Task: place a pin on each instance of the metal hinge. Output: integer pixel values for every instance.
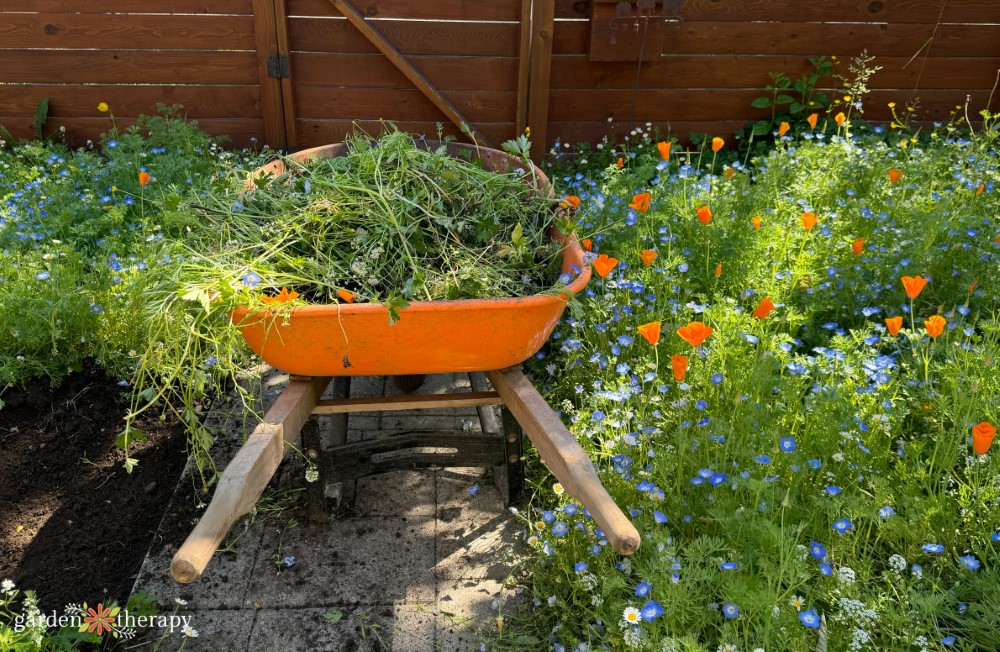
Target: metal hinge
(277, 66)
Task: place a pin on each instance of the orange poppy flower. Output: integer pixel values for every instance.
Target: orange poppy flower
(935, 325)
(982, 437)
(651, 332)
(143, 178)
(765, 308)
(717, 144)
(729, 172)
(980, 189)
(588, 244)
(913, 285)
(571, 201)
(620, 163)
(808, 220)
(680, 365)
(858, 246)
(783, 128)
(604, 264)
(283, 297)
(895, 175)
(641, 201)
(894, 324)
(972, 288)
(664, 148)
(648, 256)
(704, 214)
(345, 295)
(695, 333)
(756, 222)
(812, 120)
(718, 270)
(840, 118)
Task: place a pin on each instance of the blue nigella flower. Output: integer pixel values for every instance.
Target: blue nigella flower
(642, 589)
(651, 611)
(833, 490)
(581, 567)
(762, 459)
(251, 280)
(970, 562)
(886, 512)
(559, 529)
(598, 416)
(933, 548)
(995, 536)
(730, 610)
(809, 618)
(817, 550)
(826, 569)
(728, 565)
(659, 517)
(716, 379)
(842, 525)
(787, 444)
(948, 640)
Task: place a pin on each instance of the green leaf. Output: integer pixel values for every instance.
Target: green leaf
(200, 295)
(128, 436)
(796, 107)
(41, 116)
(760, 128)
(761, 103)
(784, 99)
(333, 616)
(517, 237)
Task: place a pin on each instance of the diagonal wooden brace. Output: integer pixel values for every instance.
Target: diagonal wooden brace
(563, 455)
(405, 67)
(245, 478)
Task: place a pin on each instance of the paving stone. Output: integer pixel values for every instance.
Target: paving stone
(465, 610)
(434, 384)
(398, 628)
(476, 536)
(223, 629)
(351, 561)
(396, 493)
(365, 386)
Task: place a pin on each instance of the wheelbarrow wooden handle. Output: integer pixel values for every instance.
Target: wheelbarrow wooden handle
(247, 475)
(563, 455)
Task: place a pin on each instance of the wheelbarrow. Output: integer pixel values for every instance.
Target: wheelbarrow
(323, 344)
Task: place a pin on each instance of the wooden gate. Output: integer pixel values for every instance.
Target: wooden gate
(340, 65)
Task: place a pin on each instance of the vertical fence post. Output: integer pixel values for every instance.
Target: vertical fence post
(543, 15)
(523, 68)
(287, 95)
(268, 72)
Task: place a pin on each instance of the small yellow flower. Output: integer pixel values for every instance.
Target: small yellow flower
(892, 105)
(847, 98)
(103, 107)
(527, 132)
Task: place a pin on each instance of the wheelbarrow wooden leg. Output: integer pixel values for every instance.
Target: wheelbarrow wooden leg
(247, 475)
(564, 456)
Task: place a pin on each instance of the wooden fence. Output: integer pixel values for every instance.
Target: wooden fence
(299, 73)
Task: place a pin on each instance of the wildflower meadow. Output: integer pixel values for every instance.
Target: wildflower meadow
(786, 370)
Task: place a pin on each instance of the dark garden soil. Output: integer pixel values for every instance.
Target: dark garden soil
(74, 526)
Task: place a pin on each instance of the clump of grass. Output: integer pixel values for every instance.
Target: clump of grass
(393, 220)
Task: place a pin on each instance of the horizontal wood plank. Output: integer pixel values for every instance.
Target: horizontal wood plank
(805, 39)
(313, 133)
(197, 32)
(128, 66)
(232, 7)
(75, 101)
(373, 104)
(689, 105)
(375, 71)
(242, 132)
(394, 403)
(419, 9)
(894, 11)
(481, 39)
(750, 71)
